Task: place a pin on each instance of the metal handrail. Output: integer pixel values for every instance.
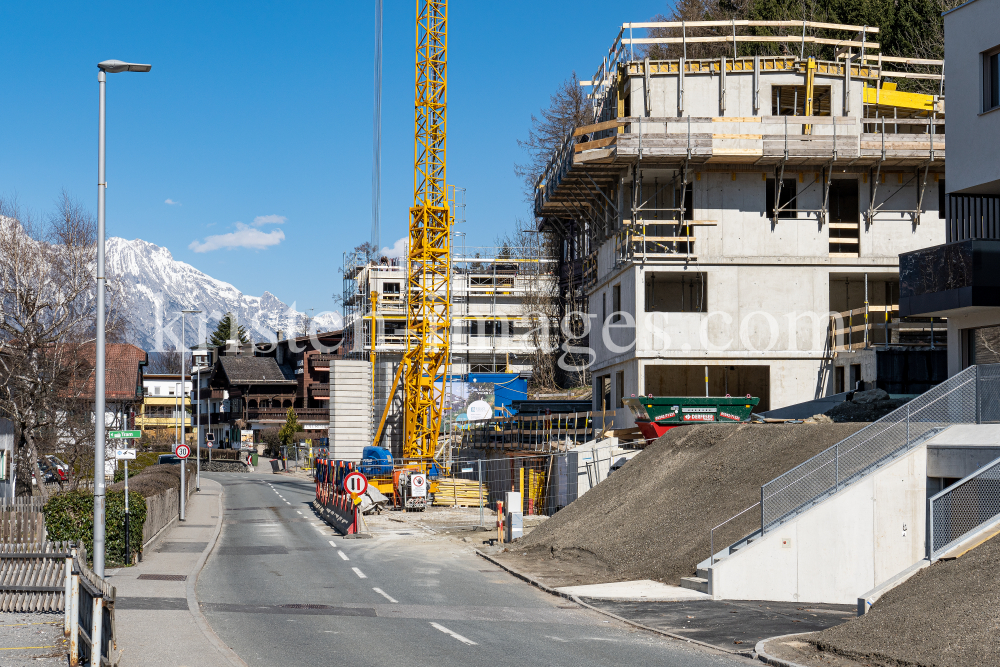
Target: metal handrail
(711, 534)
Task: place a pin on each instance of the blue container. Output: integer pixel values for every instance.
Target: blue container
(376, 462)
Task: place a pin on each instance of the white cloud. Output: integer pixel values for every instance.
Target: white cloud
(243, 237)
(262, 220)
(171, 202)
(398, 249)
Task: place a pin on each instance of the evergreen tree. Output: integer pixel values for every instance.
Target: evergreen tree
(290, 428)
(229, 330)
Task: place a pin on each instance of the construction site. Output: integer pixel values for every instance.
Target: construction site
(732, 227)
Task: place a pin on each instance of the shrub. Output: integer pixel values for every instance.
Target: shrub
(70, 516)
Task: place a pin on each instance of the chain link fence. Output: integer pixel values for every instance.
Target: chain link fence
(958, 400)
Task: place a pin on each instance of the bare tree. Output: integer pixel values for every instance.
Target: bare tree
(166, 362)
(47, 309)
(567, 110)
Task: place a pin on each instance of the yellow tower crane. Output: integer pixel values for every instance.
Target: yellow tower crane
(428, 319)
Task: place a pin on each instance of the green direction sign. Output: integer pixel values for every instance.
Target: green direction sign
(121, 435)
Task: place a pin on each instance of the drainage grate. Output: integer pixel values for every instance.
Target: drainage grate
(305, 606)
(252, 551)
(182, 547)
(163, 577)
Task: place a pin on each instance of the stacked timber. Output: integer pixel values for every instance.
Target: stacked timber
(454, 492)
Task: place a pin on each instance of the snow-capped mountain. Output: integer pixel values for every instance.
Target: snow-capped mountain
(157, 287)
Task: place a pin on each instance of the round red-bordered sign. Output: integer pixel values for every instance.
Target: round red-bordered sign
(182, 451)
(356, 484)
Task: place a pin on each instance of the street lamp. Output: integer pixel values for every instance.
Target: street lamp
(184, 314)
(113, 67)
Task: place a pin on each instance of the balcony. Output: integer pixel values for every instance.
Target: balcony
(964, 274)
(319, 390)
(278, 415)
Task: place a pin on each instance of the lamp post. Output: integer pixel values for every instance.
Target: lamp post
(184, 314)
(105, 68)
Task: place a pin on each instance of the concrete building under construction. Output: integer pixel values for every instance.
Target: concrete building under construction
(736, 221)
(499, 296)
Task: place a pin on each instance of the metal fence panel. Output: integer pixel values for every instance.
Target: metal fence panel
(951, 402)
(964, 507)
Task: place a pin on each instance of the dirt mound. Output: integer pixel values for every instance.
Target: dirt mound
(849, 411)
(945, 615)
(651, 519)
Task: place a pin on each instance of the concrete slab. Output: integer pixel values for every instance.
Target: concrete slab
(728, 624)
(968, 434)
(640, 590)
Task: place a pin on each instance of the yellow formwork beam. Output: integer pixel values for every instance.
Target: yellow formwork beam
(888, 96)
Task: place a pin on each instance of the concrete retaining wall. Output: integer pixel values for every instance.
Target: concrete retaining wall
(162, 510)
(834, 552)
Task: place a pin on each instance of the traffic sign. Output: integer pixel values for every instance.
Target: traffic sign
(418, 485)
(356, 484)
(122, 435)
(126, 454)
(182, 451)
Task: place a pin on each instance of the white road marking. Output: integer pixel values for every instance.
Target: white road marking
(298, 512)
(286, 502)
(343, 556)
(360, 574)
(332, 544)
(455, 635)
(558, 639)
(386, 595)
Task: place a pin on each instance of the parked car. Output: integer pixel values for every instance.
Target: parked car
(49, 472)
(168, 459)
(60, 468)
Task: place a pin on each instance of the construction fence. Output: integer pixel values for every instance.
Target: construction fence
(546, 482)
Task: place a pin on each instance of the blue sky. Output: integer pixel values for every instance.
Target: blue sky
(256, 121)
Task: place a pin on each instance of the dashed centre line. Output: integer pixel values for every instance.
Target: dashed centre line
(332, 544)
(453, 634)
(343, 556)
(360, 574)
(386, 595)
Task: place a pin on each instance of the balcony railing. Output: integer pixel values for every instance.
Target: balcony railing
(279, 414)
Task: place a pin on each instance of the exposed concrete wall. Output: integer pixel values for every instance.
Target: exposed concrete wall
(972, 136)
(839, 549)
(350, 409)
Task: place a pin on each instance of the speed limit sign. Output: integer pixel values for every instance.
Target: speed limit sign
(182, 451)
(355, 484)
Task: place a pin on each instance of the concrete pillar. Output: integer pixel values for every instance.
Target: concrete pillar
(350, 409)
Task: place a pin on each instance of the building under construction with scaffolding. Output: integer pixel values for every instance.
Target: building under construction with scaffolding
(736, 221)
(502, 300)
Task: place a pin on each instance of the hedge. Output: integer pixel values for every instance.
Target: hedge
(70, 516)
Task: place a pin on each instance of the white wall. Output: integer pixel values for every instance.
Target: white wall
(834, 552)
(972, 137)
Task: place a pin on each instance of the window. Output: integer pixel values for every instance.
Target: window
(156, 390)
(604, 385)
(616, 303)
(390, 288)
(676, 292)
(488, 328)
(620, 389)
(991, 80)
(942, 199)
(688, 202)
(787, 197)
(3, 464)
(604, 307)
(791, 101)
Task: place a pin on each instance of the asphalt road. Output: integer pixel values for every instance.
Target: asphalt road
(282, 589)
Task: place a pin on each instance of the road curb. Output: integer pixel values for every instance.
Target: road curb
(551, 591)
(192, 600)
(769, 659)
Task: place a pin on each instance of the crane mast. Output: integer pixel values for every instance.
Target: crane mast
(428, 319)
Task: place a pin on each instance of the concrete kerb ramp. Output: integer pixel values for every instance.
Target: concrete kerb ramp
(854, 540)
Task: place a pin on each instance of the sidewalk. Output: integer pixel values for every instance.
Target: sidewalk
(157, 618)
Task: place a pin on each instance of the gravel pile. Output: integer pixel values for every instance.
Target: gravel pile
(651, 519)
(947, 615)
(848, 411)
